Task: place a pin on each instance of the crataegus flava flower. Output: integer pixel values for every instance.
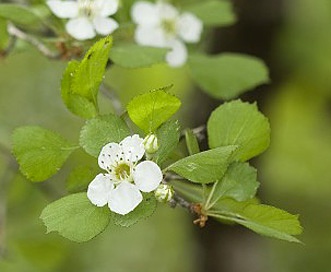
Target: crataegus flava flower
(87, 18)
(161, 25)
(121, 186)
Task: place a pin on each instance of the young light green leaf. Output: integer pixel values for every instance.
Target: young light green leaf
(239, 123)
(145, 209)
(191, 142)
(239, 183)
(263, 219)
(76, 103)
(135, 56)
(18, 14)
(227, 75)
(150, 110)
(168, 138)
(213, 13)
(75, 217)
(40, 152)
(205, 167)
(81, 80)
(102, 130)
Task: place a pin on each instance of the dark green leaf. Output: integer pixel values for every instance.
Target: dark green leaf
(213, 13)
(168, 138)
(263, 219)
(145, 209)
(239, 183)
(75, 217)
(150, 110)
(80, 177)
(191, 142)
(40, 152)
(102, 130)
(239, 123)
(227, 75)
(205, 167)
(135, 56)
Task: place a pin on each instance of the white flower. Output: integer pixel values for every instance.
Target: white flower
(164, 193)
(120, 187)
(87, 17)
(151, 143)
(161, 25)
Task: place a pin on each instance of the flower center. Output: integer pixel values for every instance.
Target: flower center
(169, 26)
(123, 172)
(86, 8)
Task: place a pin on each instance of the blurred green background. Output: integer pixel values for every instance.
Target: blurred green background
(294, 38)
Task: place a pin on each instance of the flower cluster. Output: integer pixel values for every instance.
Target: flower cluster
(161, 25)
(125, 179)
(158, 25)
(86, 17)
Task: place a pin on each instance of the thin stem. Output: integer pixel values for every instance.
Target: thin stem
(112, 96)
(16, 32)
(178, 200)
(207, 203)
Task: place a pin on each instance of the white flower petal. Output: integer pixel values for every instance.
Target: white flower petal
(178, 54)
(150, 36)
(80, 28)
(106, 7)
(147, 176)
(133, 148)
(63, 9)
(99, 190)
(166, 11)
(189, 27)
(104, 26)
(110, 154)
(124, 198)
(145, 13)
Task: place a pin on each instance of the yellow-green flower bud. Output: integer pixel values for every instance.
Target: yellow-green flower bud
(151, 143)
(164, 193)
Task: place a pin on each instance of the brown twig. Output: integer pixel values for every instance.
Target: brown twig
(17, 33)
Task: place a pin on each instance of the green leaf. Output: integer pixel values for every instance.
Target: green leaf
(168, 138)
(145, 209)
(75, 217)
(102, 130)
(135, 56)
(263, 219)
(227, 75)
(76, 103)
(205, 167)
(80, 177)
(150, 110)
(40, 152)
(191, 142)
(239, 123)
(81, 80)
(190, 191)
(239, 183)
(19, 14)
(213, 13)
